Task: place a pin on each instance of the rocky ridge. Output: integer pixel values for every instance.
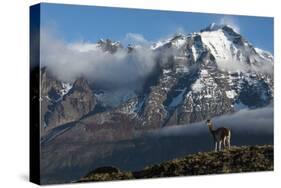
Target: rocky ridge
(234, 160)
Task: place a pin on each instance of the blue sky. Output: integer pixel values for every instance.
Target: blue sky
(89, 23)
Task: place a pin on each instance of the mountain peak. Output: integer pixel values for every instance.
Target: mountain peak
(109, 45)
(215, 27)
(108, 42)
(81, 83)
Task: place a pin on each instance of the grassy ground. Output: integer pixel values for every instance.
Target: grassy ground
(234, 160)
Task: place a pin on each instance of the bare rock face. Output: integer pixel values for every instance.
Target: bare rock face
(50, 92)
(78, 102)
(50, 87)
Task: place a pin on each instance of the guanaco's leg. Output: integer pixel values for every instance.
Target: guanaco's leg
(216, 144)
(224, 142)
(228, 140)
(220, 142)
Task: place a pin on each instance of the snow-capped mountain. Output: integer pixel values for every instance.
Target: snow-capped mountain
(198, 75)
(210, 73)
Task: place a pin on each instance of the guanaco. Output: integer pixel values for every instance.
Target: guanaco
(220, 135)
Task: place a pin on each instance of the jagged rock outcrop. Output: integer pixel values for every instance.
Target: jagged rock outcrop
(50, 86)
(51, 90)
(78, 102)
(109, 46)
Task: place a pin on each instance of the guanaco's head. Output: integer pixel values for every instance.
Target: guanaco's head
(208, 122)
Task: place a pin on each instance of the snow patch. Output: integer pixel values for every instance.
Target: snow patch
(194, 52)
(204, 72)
(179, 43)
(208, 96)
(230, 94)
(218, 43)
(264, 55)
(66, 87)
(197, 86)
(166, 71)
(158, 44)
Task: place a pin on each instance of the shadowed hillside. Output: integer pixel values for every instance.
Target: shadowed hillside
(236, 159)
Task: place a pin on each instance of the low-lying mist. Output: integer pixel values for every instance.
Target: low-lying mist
(255, 121)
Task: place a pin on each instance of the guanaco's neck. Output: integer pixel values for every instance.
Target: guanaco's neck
(210, 127)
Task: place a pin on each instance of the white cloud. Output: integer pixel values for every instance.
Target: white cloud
(136, 39)
(259, 121)
(67, 61)
(181, 30)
